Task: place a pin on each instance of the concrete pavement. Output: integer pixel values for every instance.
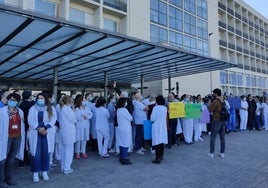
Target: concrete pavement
(245, 165)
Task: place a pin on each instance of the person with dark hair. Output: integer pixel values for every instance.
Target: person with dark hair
(3, 97)
(111, 108)
(217, 126)
(252, 106)
(83, 114)
(12, 135)
(159, 128)
(42, 118)
(25, 106)
(102, 127)
(124, 130)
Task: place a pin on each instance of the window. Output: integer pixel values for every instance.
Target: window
(176, 2)
(190, 43)
(202, 10)
(189, 24)
(232, 78)
(77, 16)
(223, 77)
(158, 34)
(158, 13)
(189, 5)
(110, 25)
(239, 79)
(175, 18)
(202, 29)
(247, 80)
(202, 47)
(175, 39)
(45, 7)
(253, 81)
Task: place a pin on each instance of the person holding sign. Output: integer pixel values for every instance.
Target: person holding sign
(159, 128)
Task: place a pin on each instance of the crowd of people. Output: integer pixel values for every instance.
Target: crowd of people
(42, 132)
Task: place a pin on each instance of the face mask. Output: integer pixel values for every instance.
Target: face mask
(113, 100)
(34, 99)
(84, 103)
(125, 105)
(90, 99)
(186, 100)
(12, 103)
(244, 99)
(41, 101)
(52, 101)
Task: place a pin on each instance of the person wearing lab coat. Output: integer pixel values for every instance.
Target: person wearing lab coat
(67, 121)
(12, 134)
(41, 118)
(159, 128)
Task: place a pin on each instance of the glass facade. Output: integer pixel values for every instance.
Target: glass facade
(45, 7)
(110, 25)
(180, 23)
(77, 16)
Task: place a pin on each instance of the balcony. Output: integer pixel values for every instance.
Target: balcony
(262, 43)
(253, 69)
(263, 57)
(256, 27)
(238, 32)
(240, 66)
(246, 67)
(222, 6)
(223, 43)
(246, 51)
(251, 38)
(230, 11)
(251, 23)
(263, 71)
(230, 28)
(262, 30)
(245, 19)
(266, 32)
(232, 46)
(222, 24)
(259, 70)
(252, 53)
(238, 16)
(116, 4)
(257, 41)
(238, 48)
(245, 35)
(258, 55)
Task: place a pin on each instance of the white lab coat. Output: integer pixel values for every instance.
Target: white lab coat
(82, 125)
(124, 129)
(159, 125)
(67, 120)
(33, 133)
(4, 123)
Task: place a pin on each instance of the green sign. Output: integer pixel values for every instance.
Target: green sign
(193, 110)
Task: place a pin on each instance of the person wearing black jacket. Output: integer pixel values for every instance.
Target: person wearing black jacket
(252, 122)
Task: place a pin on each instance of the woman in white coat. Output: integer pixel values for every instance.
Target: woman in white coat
(124, 130)
(12, 134)
(83, 114)
(41, 118)
(159, 128)
(102, 127)
(67, 121)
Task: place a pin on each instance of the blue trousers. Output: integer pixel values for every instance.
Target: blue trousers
(139, 137)
(123, 152)
(217, 127)
(40, 162)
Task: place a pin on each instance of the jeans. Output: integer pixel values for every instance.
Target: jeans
(172, 131)
(217, 127)
(7, 166)
(139, 137)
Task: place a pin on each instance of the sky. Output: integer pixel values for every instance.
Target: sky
(260, 5)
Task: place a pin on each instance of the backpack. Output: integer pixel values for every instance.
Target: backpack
(224, 113)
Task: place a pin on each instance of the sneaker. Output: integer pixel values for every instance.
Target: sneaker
(221, 155)
(201, 139)
(84, 156)
(143, 149)
(45, 176)
(209, 133)
(111, 151)
(35, 177)
(139, 152)
(53, 165)
(68, 171)
(105, 155)
(77, 156)
(211, 155)
(152, 151)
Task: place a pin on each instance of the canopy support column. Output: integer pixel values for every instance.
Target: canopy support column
(142, 83)
(55, 82)
(169, 84)
(106, 85)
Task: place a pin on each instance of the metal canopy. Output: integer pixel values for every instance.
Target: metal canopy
(31, 45)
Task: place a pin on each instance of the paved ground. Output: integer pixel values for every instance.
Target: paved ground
(245, 165)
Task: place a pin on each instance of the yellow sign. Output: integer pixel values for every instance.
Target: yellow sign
(176, 110)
